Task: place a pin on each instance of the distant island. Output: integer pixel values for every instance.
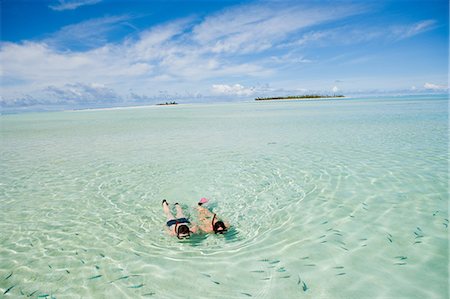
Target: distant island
(303, 97)
(167, 103)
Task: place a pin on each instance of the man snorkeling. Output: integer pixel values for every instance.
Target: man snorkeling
(179, 226)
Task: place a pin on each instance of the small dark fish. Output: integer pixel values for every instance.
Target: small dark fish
(325, 222)
(310, 265)
(364, 245)
(264, 260)
(338, 234)
(149, 294)
(346, 249)
(401, 257)
(304, 286)
(445, 224)
(50, 266)
(299, 280)
(10, 274)
(95, 277)
(43, 296)
(322, 236)
(390, 240)
(417, 242)
(255, 271)
(364, 204)
(247, 294)
(82, 262)
(274, 262)
(363, 239)
(400, 264)
(305, 258)
(267, 278)
(31, 294)
(339, 267)
(102, 255)
(435, 213)
(8, 289)
(323, 241)
(68, 272)
(342, 273)
(364, 208)
(207, 275)
(281, 269)
(97, 267)
(216, 282)
(136, 286)
(286, 276)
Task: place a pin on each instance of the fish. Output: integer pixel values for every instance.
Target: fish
(247, 294)
(102, 255)
(325, 222)
(304, 286)
(50, 266)
(281, 269)
(120, 278)
(31, 294)
(401, 257)
(267, 278)
(95, 277)
(207, 275)
(286, 276)
(149, 294)
(10, 274)
(274, 262)
(8, 289)
(68, 272)
(216, 282)
(342, 273)
(322, 236)
(400, 264)
(43, 296)
(136, 286)
(310, 265)
(339, 267)
(257, 271)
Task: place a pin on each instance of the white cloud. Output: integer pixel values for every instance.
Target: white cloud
(87, 34)
(432, 86)
(236, 89)
(407, 31)
(72, 4)
(335, 89)
(254, 28)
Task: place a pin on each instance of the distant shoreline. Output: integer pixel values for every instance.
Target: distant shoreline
(303, 97)
(167, 104)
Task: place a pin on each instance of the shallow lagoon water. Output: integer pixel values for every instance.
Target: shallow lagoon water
(328, 199)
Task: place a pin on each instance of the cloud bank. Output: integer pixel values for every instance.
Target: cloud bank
(80, 63)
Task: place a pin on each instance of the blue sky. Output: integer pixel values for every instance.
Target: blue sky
(113, 52)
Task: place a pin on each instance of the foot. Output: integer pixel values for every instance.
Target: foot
(176, 203)
(165, 202)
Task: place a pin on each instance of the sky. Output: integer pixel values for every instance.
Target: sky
(118, 52)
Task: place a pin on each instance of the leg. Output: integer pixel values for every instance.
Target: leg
(179, 211)
(167, 210)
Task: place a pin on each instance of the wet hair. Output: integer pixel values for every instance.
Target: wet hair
(183, 230)
(217, 225)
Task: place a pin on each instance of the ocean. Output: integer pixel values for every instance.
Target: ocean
(336, 198)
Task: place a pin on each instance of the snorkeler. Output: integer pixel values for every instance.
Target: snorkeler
(208, 221)
(179, 226)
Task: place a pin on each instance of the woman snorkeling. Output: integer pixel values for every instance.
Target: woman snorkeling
(209, 222)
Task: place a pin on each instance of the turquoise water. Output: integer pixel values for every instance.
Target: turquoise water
(328, 199)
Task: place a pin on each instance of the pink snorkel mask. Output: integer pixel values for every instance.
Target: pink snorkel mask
(202, 201)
